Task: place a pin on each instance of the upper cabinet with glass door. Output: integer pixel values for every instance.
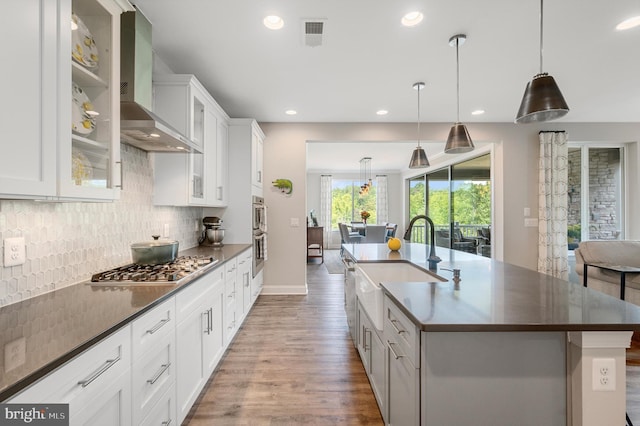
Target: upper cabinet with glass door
(90, 165)
(60, 109)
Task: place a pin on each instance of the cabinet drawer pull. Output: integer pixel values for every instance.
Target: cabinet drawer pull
(158, 326)
(160, 372)
(166, 423)
(393, 323)
(107, 365)
(366, 348)
(395, 354)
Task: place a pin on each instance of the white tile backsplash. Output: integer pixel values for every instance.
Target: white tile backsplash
(68, 242)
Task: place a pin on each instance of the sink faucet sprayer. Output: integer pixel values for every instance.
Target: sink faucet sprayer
(433, 259)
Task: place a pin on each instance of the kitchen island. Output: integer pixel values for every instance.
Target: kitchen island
(503, 345)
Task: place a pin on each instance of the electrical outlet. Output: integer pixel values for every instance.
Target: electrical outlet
(604, 374)
(15, 354)
(165, 230)
(197, 226)
(14, 251)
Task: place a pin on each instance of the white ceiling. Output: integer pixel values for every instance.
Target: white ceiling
(369, 61)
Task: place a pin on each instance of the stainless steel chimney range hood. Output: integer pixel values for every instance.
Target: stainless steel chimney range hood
(139, 126)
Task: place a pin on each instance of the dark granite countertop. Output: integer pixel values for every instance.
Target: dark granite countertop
(58, 325)
(495, 296)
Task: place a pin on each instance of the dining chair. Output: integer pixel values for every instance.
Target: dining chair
(391, 230)
(375, 234)
(348, 237)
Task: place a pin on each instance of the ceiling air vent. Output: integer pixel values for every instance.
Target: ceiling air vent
(313, 32)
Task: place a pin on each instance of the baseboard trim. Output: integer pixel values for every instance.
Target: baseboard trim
(279, 290)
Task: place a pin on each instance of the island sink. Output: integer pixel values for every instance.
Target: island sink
(370, 275)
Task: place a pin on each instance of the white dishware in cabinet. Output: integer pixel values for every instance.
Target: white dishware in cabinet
(90, 166)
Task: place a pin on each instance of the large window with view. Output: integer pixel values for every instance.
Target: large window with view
(347, 204)
(457, 198)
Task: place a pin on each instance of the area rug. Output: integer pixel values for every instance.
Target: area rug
(333, 262)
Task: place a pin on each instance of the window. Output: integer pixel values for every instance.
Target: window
(347, 203)
(457, 198)
(595, 194)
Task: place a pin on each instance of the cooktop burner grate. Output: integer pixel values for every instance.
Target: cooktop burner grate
(167, 272)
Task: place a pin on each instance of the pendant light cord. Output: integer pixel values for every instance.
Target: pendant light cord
(418, 136)
(541, 38)
(458, 80)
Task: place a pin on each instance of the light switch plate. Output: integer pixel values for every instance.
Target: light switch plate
(15, 354)
(14, 251)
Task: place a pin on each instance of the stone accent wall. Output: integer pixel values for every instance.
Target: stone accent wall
(604, 178)
(68, 242)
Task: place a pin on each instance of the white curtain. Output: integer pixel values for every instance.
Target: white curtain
(325, 208)
(382, 202)
(552, 205)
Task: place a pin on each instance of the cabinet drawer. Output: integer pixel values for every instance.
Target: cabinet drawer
(153, 327)
(190, 298)
(230, 267)
(401, 332)
(164, 412)
(153, 375)
(84, 377)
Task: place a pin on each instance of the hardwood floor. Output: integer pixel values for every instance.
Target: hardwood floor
(291, 363)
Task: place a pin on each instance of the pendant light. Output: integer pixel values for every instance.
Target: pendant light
(419, 157)
(459, 140)
(542, 100)
(365, 175)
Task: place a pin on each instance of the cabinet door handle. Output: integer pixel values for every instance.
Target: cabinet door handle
(246, 274)
(107, 365)
(158, 326)
(259, 176)
(160, 372)
(121, 186)
(366, 348)
(395, 354)
(166, 423)
(220, 193)
(393, 323)
(210, 320)
(208, 330)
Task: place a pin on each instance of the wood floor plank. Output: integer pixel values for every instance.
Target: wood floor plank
(291, 363)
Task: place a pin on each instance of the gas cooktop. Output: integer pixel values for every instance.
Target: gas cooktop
(165, 273)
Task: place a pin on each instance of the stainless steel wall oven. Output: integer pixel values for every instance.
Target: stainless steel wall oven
(259, 234)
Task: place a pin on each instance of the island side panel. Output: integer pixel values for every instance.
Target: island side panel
(502, 378)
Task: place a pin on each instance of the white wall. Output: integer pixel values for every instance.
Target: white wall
(514, 168)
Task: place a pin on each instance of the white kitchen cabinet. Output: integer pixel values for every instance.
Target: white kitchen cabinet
(153, 350)
(256, 285)
(217, 157)
(402, 340)
(238, 216)
(233, 297)
(164, 412)
(199, 337)
(95, 384)
(244, 278)
(372, 353)
(257, 141)
(68, 147)
(179, 179)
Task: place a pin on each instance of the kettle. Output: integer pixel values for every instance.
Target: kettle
(213, 233)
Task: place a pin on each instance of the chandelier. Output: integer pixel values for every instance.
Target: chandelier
(365, 175)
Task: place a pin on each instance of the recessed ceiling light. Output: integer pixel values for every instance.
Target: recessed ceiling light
(273, 22)
(628, 24)
(477, 112)
(291, 112)
(382, 112)
(412, 19)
